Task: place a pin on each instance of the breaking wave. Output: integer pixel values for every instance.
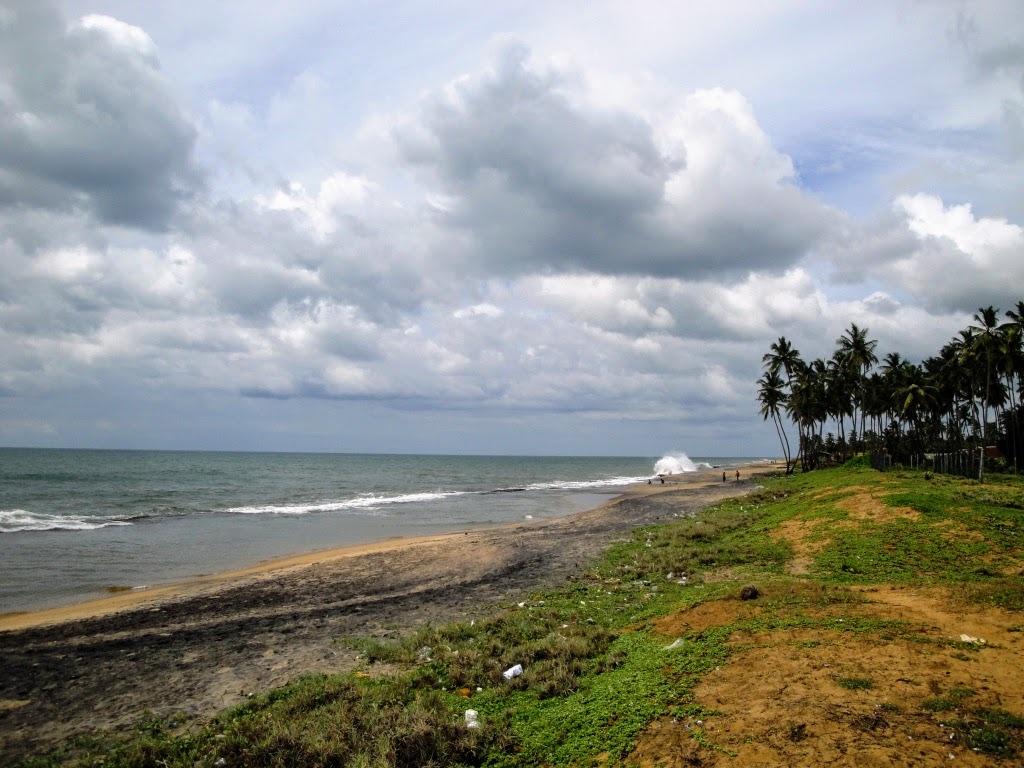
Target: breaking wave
(368, 502)
(677, 464)
(17, 520)
(572, 485)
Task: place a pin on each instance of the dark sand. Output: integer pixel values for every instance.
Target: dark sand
(198, 649)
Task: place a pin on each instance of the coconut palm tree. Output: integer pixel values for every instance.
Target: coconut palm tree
(859, 352)
(782, 356)
(986, 329)
(771, 395)
(1011, 365)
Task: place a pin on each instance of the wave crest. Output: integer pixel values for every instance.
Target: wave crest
(677, 464)
(368, 502)
(18, 520)
(571, 485)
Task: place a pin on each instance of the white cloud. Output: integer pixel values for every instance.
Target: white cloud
(943, 256)
(534, 235)
(88, 121)
(536, 174)
(119, 33)
(478, 310)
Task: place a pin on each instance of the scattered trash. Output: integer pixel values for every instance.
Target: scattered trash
(522, 605)
(529, 517)
(511, 672)
(472, 720)
(971, 640)
(479, 689)
(423, 654)
(677, 643)
(220, 762)
(750, 592)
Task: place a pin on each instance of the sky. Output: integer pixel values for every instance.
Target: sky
(502, 228)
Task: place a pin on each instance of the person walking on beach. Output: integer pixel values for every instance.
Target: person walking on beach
(723, 477)
(737, 475)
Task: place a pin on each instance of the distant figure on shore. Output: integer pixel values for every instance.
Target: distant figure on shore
(662, 478)
(723, 477)
(737, 475)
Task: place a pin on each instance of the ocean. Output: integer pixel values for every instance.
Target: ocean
(78, 524)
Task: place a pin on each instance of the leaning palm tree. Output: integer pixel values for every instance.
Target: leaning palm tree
(771, 395)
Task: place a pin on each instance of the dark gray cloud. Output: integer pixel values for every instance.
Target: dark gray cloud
(87, 121)
(538, 178)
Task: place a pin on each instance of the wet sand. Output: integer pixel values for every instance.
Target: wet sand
(201, 645)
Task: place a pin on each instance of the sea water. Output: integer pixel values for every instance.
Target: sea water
(75, 524)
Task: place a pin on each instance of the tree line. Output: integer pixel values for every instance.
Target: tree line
(967, 398)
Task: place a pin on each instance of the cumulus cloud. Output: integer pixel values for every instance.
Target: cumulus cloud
(556, 251)
(87, 120)
(536, 175)
(945, 256)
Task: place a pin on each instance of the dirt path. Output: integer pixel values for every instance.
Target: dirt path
(200, 653)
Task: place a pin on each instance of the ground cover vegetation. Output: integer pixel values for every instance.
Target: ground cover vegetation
(865, 593)
(958, 403)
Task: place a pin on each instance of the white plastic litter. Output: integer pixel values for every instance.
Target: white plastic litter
(677, 643)
(511, 672)
(970, 639)
(472, 720)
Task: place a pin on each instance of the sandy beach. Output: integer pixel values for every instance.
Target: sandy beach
(203, 644)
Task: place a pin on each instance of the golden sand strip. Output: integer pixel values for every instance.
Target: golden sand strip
(148, 596)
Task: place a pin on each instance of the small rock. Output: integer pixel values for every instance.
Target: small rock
(750, 592)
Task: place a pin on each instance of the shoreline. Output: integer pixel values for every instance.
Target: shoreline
(150, 597)
(141, 597)
(195, 648)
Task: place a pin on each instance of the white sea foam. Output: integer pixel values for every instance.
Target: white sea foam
(677, 464)
(17, 520)
(572, 485)
(368, 501)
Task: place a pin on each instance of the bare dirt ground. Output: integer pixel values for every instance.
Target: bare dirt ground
(206, 650)
(822, 696)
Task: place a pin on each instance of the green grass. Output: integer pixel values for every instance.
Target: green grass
(596, 674)
(855, 683)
